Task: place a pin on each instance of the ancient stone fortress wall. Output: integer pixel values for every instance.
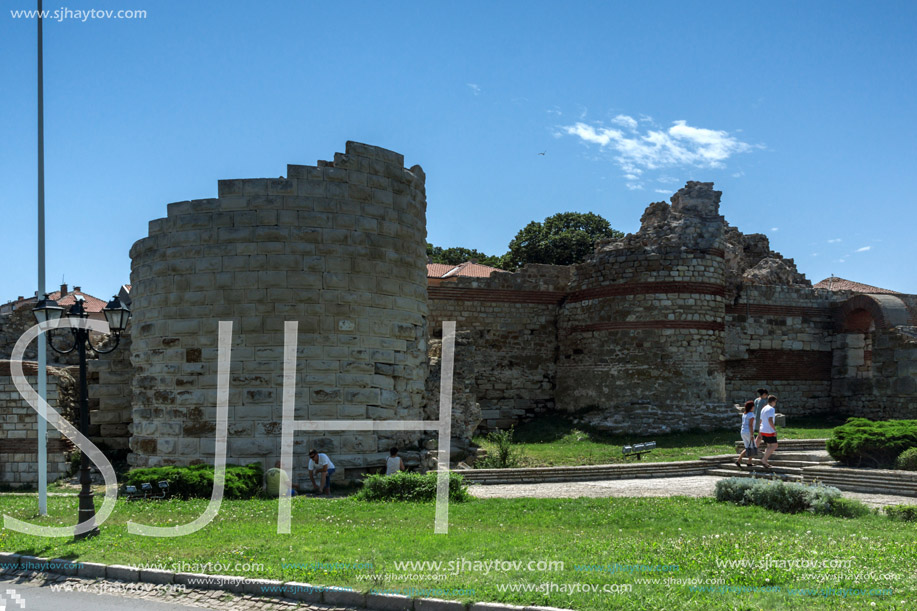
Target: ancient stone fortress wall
(781, 338)
(511, 320)
(340, 248)
(641, 331)
(110, 411)
(874, 369)
(19, 426)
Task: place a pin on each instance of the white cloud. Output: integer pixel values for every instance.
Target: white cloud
(663, 191)
(834, 240)
(625, 121)
(474, 88)
(864, 249)
(738, 174)
(814, 254)
(655, 149)
(775, 228)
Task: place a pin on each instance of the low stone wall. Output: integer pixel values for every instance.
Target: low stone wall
(19, 427)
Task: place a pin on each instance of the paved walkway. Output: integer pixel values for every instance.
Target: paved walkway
(699, 485)
(46, 592)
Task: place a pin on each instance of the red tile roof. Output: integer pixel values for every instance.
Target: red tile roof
(466, 269)
(840, 284)
(437, 270)
(90, 303)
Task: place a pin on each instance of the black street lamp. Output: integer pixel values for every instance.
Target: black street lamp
(117, 315)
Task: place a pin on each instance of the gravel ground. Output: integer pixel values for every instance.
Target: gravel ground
(700, 485)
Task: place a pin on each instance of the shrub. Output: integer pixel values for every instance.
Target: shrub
(505, 455)
(196, 481)
(413, 487)
(779, 496)
(907, 460)
(862, 442)
(905, 513)
(841, 508)
(788, 497)
(733, 489)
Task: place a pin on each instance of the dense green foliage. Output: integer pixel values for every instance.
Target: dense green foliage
(562, 239)
(457, 254)
(414, 487)
(866, 443)
(788, 497)
(904, 513)
(196, 481)
(503, 453)
(907, 460)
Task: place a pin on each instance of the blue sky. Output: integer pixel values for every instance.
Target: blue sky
(802, 113)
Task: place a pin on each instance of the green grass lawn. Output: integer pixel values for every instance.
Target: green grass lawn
(555, 441)
(691, 535)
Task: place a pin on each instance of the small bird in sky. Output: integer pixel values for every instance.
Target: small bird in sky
(543, 153)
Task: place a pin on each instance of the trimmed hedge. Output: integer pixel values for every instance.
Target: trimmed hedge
(196, 481)
(414, 487)
(905, 513)
(907, 460)
(788, 497)
(861, 442)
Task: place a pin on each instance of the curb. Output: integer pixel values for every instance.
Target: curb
(303, 592)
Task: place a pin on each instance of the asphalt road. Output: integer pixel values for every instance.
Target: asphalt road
(43, 598)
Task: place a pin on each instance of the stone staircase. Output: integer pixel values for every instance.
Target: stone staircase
(633, 470)
(807, 461)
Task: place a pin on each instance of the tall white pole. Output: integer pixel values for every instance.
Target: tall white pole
(42, 347)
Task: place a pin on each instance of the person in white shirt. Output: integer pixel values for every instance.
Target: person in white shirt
(319, 462)
(748, 432)
(768, 430)
(393, 464)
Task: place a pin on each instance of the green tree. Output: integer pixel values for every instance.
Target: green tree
(458, 254)
(562, 239)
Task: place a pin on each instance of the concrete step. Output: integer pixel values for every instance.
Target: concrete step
(756, 467)
(795, 444)
(789, 477)
(585, 473)
(814, 457)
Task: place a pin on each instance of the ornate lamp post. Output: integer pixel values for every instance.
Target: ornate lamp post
(117, 315)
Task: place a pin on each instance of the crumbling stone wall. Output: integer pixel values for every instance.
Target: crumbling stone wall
(340, 248)
(19, 426)
(641, 334)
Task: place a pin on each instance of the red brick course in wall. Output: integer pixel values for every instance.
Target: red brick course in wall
(494, 295)
(23, 446)
(809, 365)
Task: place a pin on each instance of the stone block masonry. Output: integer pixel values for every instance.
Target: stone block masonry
(19, 427)
(338, 247)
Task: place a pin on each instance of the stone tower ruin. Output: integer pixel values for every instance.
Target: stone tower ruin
(340, 248)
